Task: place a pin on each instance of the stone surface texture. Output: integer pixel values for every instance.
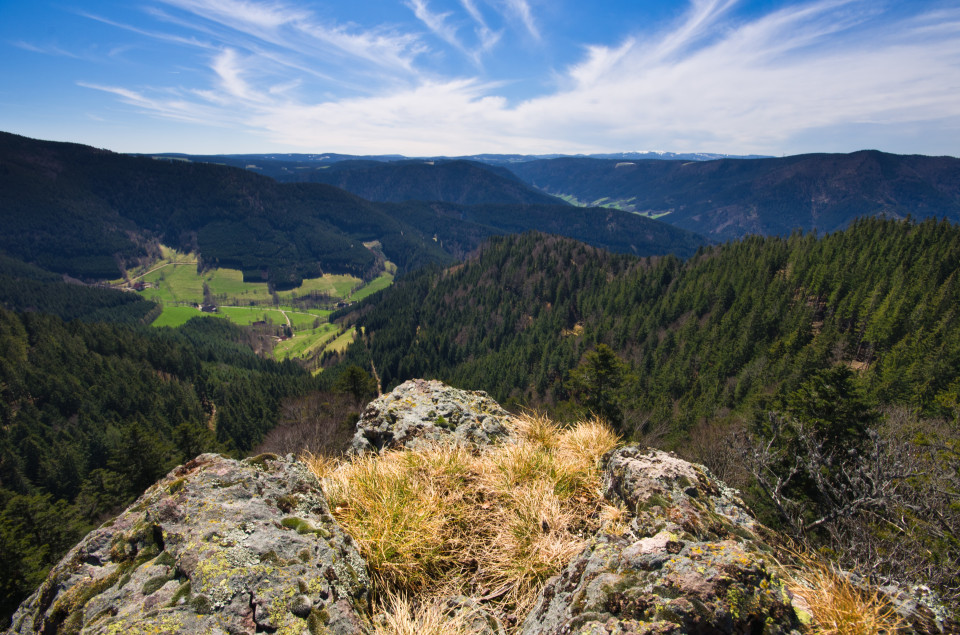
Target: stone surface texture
(419, 412)
(691, 561)
(217, 546)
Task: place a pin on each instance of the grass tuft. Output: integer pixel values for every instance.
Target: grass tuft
(403, 617)
(493, 523)
(838, 605)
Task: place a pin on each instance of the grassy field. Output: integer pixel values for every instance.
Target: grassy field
(175, 316)
(172, 283)
(305, 319)
(305, 343)
(249, 315)
(382, 281)
(335, 285)
(342, 342)
(175, 283)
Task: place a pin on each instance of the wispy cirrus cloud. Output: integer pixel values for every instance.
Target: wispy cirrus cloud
(441, 25)
(487, 37)
(712, 80)
(171, 104)
(46, 49)
(154, 35)
(437, 23)
(521, 10)
(300, 31)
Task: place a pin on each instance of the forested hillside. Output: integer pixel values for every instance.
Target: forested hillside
(730, 198)
(716, 333)
(24, 287)
(821, 375)
(78, 210)
(91, 213)
(452, 181)
(93, 413)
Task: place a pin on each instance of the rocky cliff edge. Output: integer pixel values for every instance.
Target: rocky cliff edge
(225, 546)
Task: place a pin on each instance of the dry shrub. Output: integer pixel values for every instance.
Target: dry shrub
(718, 446)
(493, 522)
(838, 605)
(318, 422)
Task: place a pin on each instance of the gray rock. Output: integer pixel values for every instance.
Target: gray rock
(692, 562)
(217, 546)
(420, 412)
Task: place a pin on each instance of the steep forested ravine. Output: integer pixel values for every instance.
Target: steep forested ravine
(701, 337)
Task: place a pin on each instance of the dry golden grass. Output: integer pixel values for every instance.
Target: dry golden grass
(492, 523)
(402, 617)
(495, 523)
(837, 605)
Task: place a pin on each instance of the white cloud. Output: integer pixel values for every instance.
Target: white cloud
(521, 10)
(170, 106)
(299, 31)
(241, 14)
(488, 37)
(45, 49)
(436, 22)
(712, 81)
(439, 25)
(156, 35)
(228, 69)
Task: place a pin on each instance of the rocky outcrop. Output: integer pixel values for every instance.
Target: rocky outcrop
(224, 546)
(420, 412)
(691, 561)
(218, 546)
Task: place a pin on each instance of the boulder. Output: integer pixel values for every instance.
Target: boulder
(420, 412)
(691, 562)
(217, 546)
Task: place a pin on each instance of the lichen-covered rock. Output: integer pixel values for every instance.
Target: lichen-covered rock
(691, 562)
(664, 492)
(217, 546)
(419, 412)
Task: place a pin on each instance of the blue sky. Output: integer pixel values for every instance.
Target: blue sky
(427, 77)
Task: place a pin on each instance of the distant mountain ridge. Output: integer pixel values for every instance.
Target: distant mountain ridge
(722, 197)
(490, 159)
(730, 198)
(451, 181)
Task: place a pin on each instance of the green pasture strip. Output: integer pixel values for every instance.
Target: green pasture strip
(175, 283)
(303, 320)
(176, 315)
(229, 282)
(248, 315)
(342, 342)
(304, 343)
(334, 285)
(382, 281)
